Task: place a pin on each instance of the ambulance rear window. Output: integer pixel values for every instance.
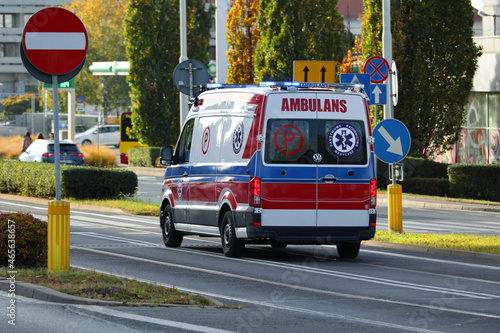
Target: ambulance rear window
(292, 141)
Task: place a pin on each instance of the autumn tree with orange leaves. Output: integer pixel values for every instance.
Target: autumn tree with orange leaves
(103, 20)
(242, 37)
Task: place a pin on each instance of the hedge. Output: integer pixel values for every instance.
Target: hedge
(413, 168)
(475, 181)
(29, 245)
(143, 156)
(79, 182)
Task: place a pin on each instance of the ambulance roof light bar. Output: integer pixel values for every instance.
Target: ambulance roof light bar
(355, 86)
(229, 85)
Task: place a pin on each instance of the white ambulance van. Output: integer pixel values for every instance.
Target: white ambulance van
(280, 164)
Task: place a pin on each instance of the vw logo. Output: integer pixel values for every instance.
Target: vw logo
(317, 157)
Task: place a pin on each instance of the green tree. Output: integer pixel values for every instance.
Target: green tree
(296, 30)
(242, 38)
(371, 32)
(103, 20)
(437, 60)
(152, 35)
(17, 105)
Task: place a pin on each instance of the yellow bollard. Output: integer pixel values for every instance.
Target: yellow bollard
(395, 210)
(58, 236)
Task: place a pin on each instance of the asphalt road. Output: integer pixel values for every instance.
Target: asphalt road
(297, 289)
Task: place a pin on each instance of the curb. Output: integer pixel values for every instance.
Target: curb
(418, 202)
(433, 250)
(50, 295)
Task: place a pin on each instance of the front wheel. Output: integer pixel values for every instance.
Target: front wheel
(231, 246)
(348, 250)
(86, 142)
(171, 237)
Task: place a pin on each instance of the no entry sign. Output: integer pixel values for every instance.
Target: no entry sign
(55, 41)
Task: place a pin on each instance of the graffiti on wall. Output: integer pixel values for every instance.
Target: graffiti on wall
(480, 139)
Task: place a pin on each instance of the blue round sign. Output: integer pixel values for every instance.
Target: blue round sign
(392, 141)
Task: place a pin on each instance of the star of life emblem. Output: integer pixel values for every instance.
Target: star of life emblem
(343, 140)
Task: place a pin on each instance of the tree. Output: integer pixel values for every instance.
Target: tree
(296, 30)
(103, 20)
(436, 59)
(152, 35)
(242, 37)
(371, 32)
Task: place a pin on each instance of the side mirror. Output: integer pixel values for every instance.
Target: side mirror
(166, 155)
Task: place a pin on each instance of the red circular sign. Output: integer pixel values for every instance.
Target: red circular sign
(288, 137)
(205, 140)
(55, 41)
(378, 68)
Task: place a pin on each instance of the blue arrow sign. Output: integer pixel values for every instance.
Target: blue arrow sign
(364, 79)
(378, 94)
(392, 140)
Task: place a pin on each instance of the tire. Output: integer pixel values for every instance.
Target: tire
(86, 142)
(348, 250)
(171, 237)
(231, 246)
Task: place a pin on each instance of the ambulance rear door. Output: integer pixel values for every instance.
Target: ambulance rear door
(316, 170)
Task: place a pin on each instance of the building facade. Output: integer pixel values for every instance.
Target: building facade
(14, 78)
(480, 140)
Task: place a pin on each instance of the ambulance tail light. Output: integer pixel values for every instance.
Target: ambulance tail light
(373, 193)
(255, 192)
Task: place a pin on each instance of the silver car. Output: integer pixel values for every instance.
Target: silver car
(100, 134)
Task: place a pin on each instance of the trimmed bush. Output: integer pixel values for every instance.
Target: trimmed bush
(143, 156)
(38, 180)
(30, 241)
(427, 186)
(475, 181)
(413, 168)
(97, 183)
(27, 179)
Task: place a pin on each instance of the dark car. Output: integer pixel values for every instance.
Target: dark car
(43, 151)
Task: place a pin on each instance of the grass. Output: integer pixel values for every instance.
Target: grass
(130, 205)
(465, 242)
(90, 284)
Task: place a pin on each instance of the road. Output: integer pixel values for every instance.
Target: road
(297, 289)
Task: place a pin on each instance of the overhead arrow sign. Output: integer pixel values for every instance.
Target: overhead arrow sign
(392, 141)
(314, 71)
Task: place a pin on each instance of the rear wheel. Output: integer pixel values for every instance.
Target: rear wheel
(348, 250)
(231, 246)
(171, 237)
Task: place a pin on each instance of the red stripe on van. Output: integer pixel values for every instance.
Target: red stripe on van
(303, 196)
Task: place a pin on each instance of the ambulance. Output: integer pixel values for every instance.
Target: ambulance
(280, 163)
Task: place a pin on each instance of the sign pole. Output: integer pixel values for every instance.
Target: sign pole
(55, 101)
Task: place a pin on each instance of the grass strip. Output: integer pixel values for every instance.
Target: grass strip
(89, 284)
(454, 241)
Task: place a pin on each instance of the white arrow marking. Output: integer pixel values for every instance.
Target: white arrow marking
(356, 80)
(394, 145)
(55, 41)
(376, 92)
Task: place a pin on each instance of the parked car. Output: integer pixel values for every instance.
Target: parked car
(100, 134)
(43, 151)
(80, 128)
